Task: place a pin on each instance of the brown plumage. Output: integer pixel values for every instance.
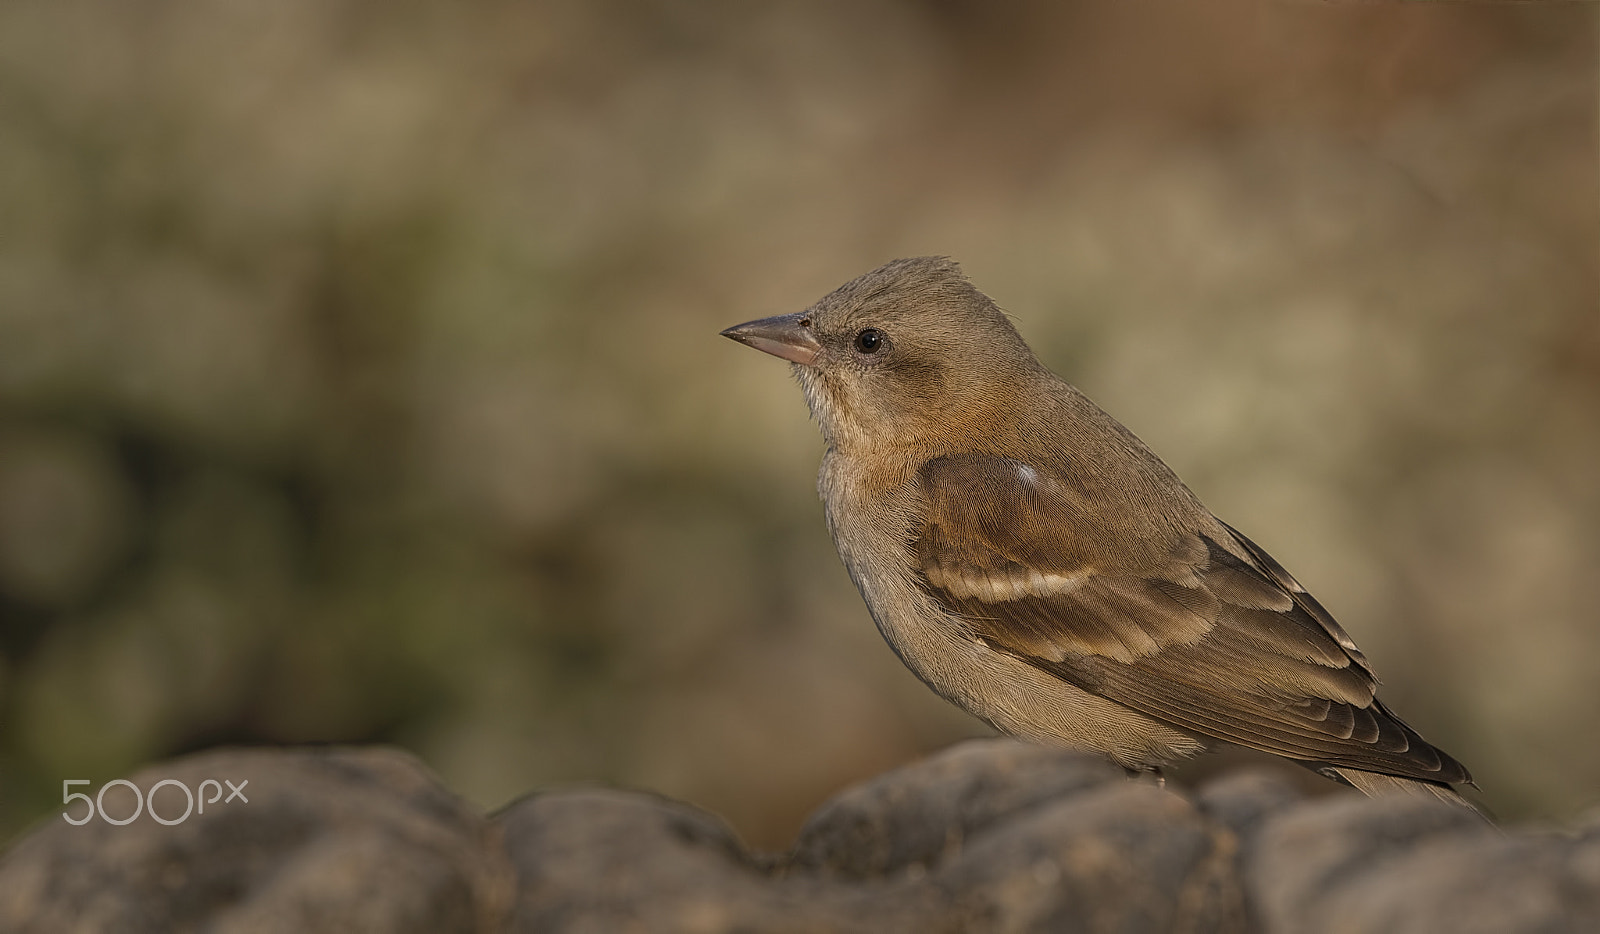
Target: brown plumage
(1033, 562)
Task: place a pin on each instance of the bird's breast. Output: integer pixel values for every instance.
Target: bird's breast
(874, 517)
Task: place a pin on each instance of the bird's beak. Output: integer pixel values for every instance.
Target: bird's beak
(786, 336)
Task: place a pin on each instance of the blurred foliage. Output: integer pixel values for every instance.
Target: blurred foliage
(359, 378)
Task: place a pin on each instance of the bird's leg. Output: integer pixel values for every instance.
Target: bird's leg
(1150, 772)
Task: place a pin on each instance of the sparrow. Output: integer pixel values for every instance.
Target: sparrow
(1031, 561)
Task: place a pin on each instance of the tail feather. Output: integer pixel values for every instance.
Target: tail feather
(1374, 784)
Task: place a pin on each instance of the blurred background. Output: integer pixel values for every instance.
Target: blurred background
(360, 383)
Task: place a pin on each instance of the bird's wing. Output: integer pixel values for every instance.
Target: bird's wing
(1205, 632)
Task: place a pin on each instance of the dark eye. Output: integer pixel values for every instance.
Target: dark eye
(870, 340)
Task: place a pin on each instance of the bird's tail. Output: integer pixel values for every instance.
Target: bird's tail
(1374, 784)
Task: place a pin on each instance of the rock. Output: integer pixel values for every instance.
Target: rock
(1122, 857)
(911, 817)
(323, 840)
(1403, 864)
(1247, 799)
(988, 836)
(608, 861)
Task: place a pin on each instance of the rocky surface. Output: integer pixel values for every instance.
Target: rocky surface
(322, 840)
(988, 836)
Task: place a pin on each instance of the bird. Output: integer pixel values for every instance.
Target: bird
(1034, 563)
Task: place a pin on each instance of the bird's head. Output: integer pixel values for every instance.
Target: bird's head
(908, 353)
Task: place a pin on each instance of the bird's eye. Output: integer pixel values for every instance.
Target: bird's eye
(870, 340)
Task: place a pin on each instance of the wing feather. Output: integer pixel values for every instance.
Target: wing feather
(1197, 627)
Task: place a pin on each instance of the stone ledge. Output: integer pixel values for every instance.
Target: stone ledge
(990, 835)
